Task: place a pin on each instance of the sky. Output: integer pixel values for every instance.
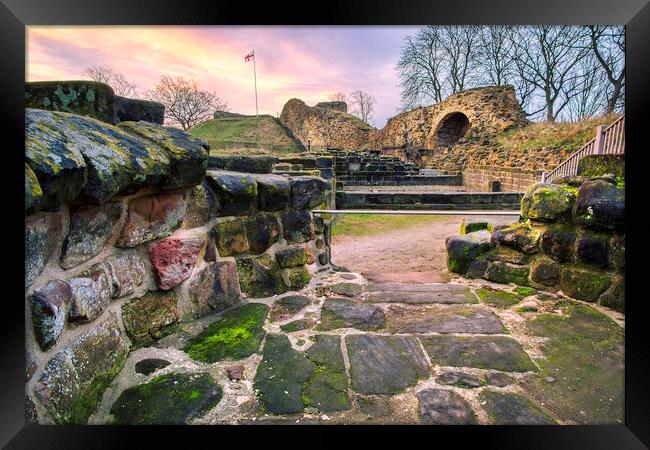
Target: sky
(305, 62)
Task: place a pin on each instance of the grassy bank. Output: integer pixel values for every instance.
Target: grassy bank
(371, 224)
(246, 135)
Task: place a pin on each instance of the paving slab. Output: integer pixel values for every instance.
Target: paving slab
(342, 313)
(385, 364)
(419, 293)
(512, 409)
(447, 319)
(483, 352)
(444, 407)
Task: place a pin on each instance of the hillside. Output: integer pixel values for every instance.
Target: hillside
(244, 135)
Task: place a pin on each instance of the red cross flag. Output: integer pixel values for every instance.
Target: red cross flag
(250, 56)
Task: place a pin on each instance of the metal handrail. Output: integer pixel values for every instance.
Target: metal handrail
(608, 141)
(420, 212)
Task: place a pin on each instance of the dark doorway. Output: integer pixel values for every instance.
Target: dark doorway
(450, 129)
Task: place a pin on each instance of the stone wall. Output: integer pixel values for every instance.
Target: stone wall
(92, 99)
(128, 237)
(336, 106)
(510, 179)
(570, 238)
(321, 127)
(471, 115)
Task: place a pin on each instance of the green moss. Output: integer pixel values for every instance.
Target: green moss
(89, 397)
(167, 399)
(299, 278)
(524, 291)
(237, 334)
(525, 309)
(584, 351)
(500, 299)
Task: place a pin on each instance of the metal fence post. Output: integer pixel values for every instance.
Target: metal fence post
(599, 142)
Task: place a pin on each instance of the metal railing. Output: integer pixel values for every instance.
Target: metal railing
(434, 212)
(608, 141)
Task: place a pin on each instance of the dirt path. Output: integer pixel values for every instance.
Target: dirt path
(416, 249)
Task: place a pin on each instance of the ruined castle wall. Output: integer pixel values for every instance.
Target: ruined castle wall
(488, 110)
(325, 127)
(129, 234)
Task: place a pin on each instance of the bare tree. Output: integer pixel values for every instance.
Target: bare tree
(495, 55)
(461, 46)
(608, 46)
(339, 97)
(545, 57)
(591, 98)
(363, 105)
(115, 80)
(421, 67)
(185, 103)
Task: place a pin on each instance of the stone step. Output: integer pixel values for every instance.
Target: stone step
(419, 293)
(443, 319)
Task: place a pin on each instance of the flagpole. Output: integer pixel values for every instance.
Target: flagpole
(255, 78)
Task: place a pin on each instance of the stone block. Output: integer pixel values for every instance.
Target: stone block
(548, 202)
(151, 217)
(308, 192)
(293, 256)
(213, 289)
(150, 317)
(126, 271)
(544, 270)
(600, 205)
(73, 381)
(230, 237)
(461, 250)
(593, 249)
(41, 235)
(33, 191)
(520, 236)
(583, 283)
(173, 260)
(86, 98)
(201, 207)
(90, 228)
(260, 277)
(49, 306)
(236, 192)
(247, 164)
(135, 109)
(187, 155)
(297, 226)
(274, 192)
(502, 272)
(262, 231)
(91, 293)
(558, 242)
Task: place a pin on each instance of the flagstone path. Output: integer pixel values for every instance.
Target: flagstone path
(348, 350)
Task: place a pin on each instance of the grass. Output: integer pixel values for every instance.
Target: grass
(539, 136)
(371, 224)
(244, 135)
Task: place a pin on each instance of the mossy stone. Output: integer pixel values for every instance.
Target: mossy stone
(524, 291)
(583, 283)
(500, 299)
(326, 389)
(150, 317)
(169, 399)
(512, 409)
(548, 202)
(280, 376)
(33, 191)
(235, 335)
(260, 277)
(584, 350)
(299, 277)
(505, 273)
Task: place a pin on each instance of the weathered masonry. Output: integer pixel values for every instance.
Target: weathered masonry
(129, 235)
(570, 237)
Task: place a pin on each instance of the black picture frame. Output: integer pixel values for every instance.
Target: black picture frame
(15, 15)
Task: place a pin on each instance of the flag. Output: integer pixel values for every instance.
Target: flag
(249, 56)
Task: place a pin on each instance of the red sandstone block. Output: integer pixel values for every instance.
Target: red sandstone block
(173, 260)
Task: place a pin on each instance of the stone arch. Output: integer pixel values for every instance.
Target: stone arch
(449, 130)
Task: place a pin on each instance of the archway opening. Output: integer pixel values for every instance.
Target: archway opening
(450, 129)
